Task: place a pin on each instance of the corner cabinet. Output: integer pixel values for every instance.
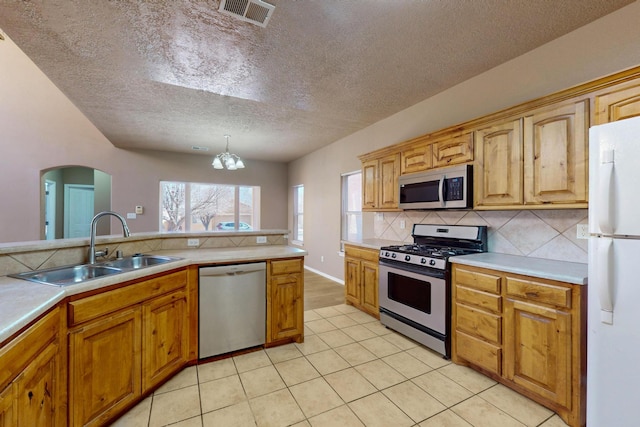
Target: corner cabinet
(380, 183)
(285, 301)
(361, 278)
(123, 342)
(525, 332)
(32, 375)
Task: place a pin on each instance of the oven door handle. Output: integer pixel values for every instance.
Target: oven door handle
(441, 191)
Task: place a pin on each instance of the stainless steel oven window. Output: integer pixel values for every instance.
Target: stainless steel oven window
(396, 285)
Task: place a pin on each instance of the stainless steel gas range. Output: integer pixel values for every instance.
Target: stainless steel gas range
(415, 281)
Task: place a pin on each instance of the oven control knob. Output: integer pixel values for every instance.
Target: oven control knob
(432, 262)
(393, 255)
(423, 261)
(407, 258)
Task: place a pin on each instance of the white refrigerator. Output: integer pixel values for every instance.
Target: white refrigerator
(613, 322)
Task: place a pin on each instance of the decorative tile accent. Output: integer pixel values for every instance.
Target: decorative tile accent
(549, 234)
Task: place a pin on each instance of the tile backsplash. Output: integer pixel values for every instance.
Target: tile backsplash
(549, 234)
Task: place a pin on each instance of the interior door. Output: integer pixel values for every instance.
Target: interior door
(77, 220)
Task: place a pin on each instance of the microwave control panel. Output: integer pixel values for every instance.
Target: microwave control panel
(455, 188)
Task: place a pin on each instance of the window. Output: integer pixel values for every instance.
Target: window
(186, 206)
(351, 206)
(298, 213)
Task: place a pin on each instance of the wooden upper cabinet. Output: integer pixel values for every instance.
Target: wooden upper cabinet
(380, 183)
(453, 150)
(498, 165)
(556, 154)
(370, 184)
(417, 158)
(617, 103)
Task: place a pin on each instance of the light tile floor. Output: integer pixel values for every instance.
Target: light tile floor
(350, 371)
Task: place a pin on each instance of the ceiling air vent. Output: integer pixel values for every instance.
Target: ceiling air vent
(254, 11)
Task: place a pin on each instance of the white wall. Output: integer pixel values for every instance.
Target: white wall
(603, 47)
(42, 129)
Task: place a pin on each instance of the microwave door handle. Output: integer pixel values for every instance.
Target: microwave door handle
(441, 192)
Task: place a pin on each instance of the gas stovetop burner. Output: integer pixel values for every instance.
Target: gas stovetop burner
(434, 244)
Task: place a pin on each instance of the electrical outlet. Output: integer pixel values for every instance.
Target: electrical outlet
(261, 239)
(402, 224)
(582, 231)
(193, 242)
(321, 258)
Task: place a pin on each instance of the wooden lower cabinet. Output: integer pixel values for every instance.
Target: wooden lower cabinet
(7, 407)
(525, 332)
(123, 343)
(164, 328)
(37, 395)
(538, 349)
(361, 279)
(285, 300)
(105, 367)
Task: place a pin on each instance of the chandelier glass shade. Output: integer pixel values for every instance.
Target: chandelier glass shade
(227, 160)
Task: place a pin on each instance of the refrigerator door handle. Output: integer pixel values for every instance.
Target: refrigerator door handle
(605, 282)
(604, 207)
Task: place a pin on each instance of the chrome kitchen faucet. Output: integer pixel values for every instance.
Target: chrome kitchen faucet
(92, 243)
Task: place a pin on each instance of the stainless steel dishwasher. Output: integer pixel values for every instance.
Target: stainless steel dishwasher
(232, 308)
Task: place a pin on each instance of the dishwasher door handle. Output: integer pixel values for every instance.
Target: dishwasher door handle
(232, 270)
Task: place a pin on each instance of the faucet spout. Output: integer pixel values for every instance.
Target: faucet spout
(94, 223)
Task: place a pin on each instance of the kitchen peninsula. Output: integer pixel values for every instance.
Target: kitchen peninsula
(149, 316)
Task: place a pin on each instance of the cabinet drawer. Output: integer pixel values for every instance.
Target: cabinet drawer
(479, 298)
(480, 353)
(100, 304)
(474, 279)
(479, 323)
(559, 296)
(286, 266)
(361, 253)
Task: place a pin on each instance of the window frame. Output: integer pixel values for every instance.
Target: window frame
(189, 218)
(344, 211)
(298, 213)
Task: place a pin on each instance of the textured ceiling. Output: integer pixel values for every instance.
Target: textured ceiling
(168, 75)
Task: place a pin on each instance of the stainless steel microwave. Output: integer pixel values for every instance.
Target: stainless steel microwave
(443, 188)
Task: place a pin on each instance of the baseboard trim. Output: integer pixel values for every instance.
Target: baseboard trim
(324, 275)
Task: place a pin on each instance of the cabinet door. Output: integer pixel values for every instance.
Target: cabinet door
(352, 280)
(164, 337)
(370, 184)
(556, 154)
(389, 173)
(286, 306)
(617, 103)
(416, 159)
(7, 409)
(105, 367)
(453, 150)
(537, 353)
(498, 166)
(37, 390)
(369, 283)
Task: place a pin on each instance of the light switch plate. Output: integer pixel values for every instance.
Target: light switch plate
(261, 239)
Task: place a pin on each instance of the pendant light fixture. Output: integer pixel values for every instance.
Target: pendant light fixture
(227, 160)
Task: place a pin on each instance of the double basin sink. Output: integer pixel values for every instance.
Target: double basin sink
(76, 274)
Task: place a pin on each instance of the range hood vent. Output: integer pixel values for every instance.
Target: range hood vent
(254, 11)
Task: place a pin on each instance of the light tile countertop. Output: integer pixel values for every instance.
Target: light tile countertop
(22, 301)
(562, 271)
